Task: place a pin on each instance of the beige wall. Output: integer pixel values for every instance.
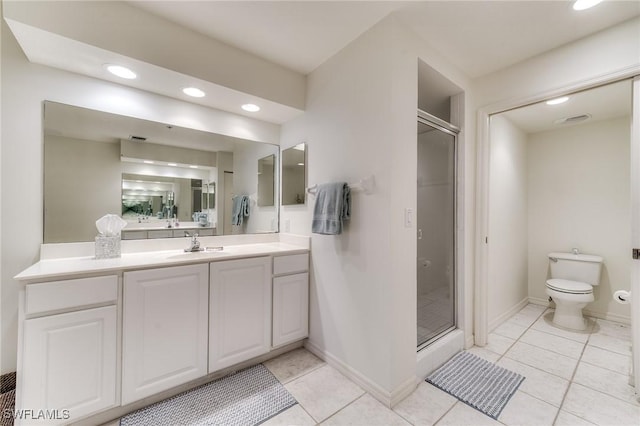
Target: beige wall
(579, 196)
(508, 239)
(82, 183)
(361, 120)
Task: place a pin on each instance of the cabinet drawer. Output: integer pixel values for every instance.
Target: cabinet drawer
(57, 295)
(290, 264)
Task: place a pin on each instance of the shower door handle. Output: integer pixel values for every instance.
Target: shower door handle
(419, 234)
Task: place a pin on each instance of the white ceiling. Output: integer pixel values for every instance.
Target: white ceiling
(478, 37)
(601, 103)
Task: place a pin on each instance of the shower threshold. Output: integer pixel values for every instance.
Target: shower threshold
(439, 335)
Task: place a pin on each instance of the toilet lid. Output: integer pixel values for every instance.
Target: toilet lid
(567, 286)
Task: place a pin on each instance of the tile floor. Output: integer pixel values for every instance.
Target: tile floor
(571, 379)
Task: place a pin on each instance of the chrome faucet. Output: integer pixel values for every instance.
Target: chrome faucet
(194, 244)
(575, 251)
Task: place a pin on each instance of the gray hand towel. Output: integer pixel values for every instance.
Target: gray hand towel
(240, 209)
(333, 206)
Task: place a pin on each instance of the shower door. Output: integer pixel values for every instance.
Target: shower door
(436, 214)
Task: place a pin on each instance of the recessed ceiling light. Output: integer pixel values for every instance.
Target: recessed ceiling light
(120, 71)
(148, 162)
(172, 164)
(251, 107)
(193, 167)
(193, 91)
(585, 4)
(558, 101)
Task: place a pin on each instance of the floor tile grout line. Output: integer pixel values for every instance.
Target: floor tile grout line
(516, 341)
(586, 362)
(554, 352)
(573, 375)
(570, 381)
(447, 412)
(526, 329)
(294, 378)
(524, 332)
(307, 413)
(341, 409)
(402, 417)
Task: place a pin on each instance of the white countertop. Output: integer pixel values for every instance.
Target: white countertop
(64, 267)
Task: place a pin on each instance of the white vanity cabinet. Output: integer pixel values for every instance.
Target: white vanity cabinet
(165, 318)
(68, 360)
(97, 336)
(240, 311)
(290, 298)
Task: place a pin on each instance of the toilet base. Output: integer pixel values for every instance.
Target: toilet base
(568, 312)
(570, 317)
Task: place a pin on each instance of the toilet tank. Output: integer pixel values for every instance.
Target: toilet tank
(576, 267)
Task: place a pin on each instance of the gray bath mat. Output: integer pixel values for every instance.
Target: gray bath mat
(477, 382)
(248, 397)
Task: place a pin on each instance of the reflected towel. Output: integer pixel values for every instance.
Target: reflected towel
(333, 206)
(240, 209)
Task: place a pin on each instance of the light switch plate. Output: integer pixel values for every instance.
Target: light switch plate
(408, 217)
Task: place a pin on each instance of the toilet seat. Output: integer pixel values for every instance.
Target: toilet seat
(569, 287)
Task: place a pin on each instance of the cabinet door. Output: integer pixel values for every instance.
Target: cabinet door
(290, 308)
(70, 363)
(240, 317)
(164, 329)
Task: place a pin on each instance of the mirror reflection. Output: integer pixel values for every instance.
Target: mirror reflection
(163, 180)
(294, 174)
(266, 182)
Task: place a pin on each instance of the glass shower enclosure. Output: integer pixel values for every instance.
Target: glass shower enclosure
(436, 233)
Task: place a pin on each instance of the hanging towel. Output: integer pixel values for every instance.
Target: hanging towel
(333, 206)
(240, 209)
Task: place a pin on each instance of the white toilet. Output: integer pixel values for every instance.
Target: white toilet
(573, 276)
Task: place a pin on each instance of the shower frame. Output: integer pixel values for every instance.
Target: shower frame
(452, 130)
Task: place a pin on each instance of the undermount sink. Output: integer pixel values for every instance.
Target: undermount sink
(199, 249)
(202, 253)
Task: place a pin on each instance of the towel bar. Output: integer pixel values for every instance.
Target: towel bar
(365, 185)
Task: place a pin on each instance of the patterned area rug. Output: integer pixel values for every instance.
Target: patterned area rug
(7, 398)
(477, 382)
(248, 397)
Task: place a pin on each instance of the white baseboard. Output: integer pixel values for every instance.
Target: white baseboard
(505, 316)
(607, 316)
(540, 301)
(623, 319)
(389, 399)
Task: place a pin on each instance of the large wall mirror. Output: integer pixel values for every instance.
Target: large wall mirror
(162, 179)
(294, 175)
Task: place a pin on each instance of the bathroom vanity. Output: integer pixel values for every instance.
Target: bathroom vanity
(95, 335)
